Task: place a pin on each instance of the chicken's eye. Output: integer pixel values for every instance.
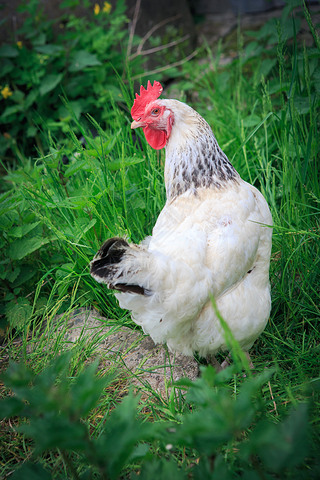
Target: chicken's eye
(155, 111)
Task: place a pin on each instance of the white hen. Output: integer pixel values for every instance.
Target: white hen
(213, 237)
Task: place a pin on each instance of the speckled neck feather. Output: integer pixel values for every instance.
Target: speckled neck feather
(193, 156)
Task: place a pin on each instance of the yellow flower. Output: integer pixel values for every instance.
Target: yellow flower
(19, 44)
(107, 7)
(6, 92)
(96, 9)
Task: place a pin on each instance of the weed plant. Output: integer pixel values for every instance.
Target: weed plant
(69, 419)
(72, 57)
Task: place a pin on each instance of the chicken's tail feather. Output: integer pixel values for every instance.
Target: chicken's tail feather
(106, 267)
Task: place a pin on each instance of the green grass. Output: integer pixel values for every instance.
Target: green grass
(264, 111)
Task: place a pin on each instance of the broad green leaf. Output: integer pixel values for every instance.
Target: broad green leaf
(31, 471)
(76, 232)
(161, 469)
(18, 313)
(32, 97)
(31, 131)
(49, 83)
(8, 51)
(316, 77)
(11, 111)
(17, 96)
(251, 121)
(6, 67)
(267, 65)
(22, 230)
(83, 59)
(26, 273)
(283, 445)
(24, 246)
(48, 49)
(41, 304)
(10, 407)
(75, 108)
(117, 164)
(85, 226)
(65, 270)
(101, 148)
(3, 272)
(55, 431)
(87, 388)
(13, 274)
(302, 104)
(78, 164)
(123, 432)
(40, 39)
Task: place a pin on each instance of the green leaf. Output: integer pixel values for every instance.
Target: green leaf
(82, 226)
(123, 432)
(65, 270)
(17, 375)
(316, 77)
(251, 121)
(31, 471)
(40, 39)
(55, 431)
(49, 83)
(11, 111)
(87, 389)
(13, 274)
(117, 164)
(17, 96)
(31, 131)
(83, 59)
(26, 273)
(161, 469)
(283, 445)
(6, 67)
(267, 65)
(75, 107)
(18, 313)
(79, 164)
(48, 49)
(31, 98)
(10, 407)
(22, 230)
(8, 51)
(302, 104)
(25, 246)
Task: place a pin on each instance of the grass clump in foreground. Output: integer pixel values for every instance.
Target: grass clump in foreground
(71, 421)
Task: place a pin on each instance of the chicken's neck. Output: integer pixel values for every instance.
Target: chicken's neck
(195, 160)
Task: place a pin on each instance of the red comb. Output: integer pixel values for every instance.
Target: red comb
(146, 96)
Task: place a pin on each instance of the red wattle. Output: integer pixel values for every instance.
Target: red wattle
(157, 139)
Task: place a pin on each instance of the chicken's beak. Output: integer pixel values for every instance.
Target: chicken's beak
(136, 124)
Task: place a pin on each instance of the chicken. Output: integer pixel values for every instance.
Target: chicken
(212, 238)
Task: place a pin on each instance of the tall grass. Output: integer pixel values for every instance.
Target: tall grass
(264, 111)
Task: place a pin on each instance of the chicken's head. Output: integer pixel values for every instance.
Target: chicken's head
(149, 113)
